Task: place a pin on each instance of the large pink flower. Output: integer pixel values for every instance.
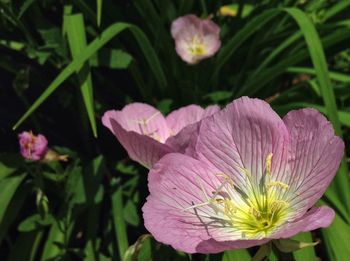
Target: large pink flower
(254, 177)
(147, 135)
(195, 38)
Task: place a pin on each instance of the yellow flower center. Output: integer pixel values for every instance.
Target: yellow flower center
(196, 47)
(254, 211)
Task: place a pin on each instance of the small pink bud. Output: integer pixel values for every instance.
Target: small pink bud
(195, 38)
(33, 147)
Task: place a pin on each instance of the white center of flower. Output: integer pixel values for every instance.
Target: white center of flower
(254, 211)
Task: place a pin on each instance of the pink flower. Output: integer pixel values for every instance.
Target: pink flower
(32, 147)
(195, 38)
(254, 177)
(147, 135)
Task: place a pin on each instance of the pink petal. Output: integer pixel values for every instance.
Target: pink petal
(188, 21)
(315, 155)
(184, 122)
(143, 119)
(185, 116)
(241, 136)
(187, 28)
(177, 182)
(140, 148)
(311, 220)
(211, 246)
(32, 147)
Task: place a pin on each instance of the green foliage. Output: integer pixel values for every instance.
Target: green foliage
(63, 66)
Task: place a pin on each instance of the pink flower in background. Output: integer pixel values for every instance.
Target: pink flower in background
(195, 38)
(32, 147)
(147, 135)
(253, 177)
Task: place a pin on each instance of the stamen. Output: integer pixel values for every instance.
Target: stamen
(268, 164)
(277, 184)
(147, 120)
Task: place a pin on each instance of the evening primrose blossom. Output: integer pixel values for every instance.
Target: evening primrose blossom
(253, 177)
(33, 147)
(195, 38)
(147, 135)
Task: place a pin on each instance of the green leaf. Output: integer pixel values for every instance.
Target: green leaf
(111, 58)
(335, 9)
(233, 255)
(133, 251)
(336, 240)
(24, 7)
(119, 222)
(266, 76)
(130, 213)
(232, 45)
(218, 96)
(55, 237)
(9, 164)
(8, 188)
(341, 77)
(99, 11)
(13, 209)
(341, 181)
(319, 61)
(34, 222)
(263, 252)
(75, 28)
(94, 191)
(90, 50)
(306, 253)
(26, 246)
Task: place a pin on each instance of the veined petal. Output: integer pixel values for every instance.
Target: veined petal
(177, 183)
(184, 122)
(141, 118)
(185, 116)
(315, 155)
(311, 220)
(140, 148)
(239, 139)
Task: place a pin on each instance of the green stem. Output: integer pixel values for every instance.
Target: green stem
(204, 8)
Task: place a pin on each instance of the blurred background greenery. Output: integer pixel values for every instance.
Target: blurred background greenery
(63, 63)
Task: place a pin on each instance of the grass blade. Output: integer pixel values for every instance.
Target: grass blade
(98, 11)
(8, 187)
(254, 84)
(335, 9)
(341, 77)
(233, 255)
(75, 29)
(119, 222)
(341, 180)
(336, 239)
(90, 50)
(254, 25)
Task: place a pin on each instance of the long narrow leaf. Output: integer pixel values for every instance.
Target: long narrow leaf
(341, 181)
(119, 223)
(90, 50)
(75, 29)
(226, 51)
